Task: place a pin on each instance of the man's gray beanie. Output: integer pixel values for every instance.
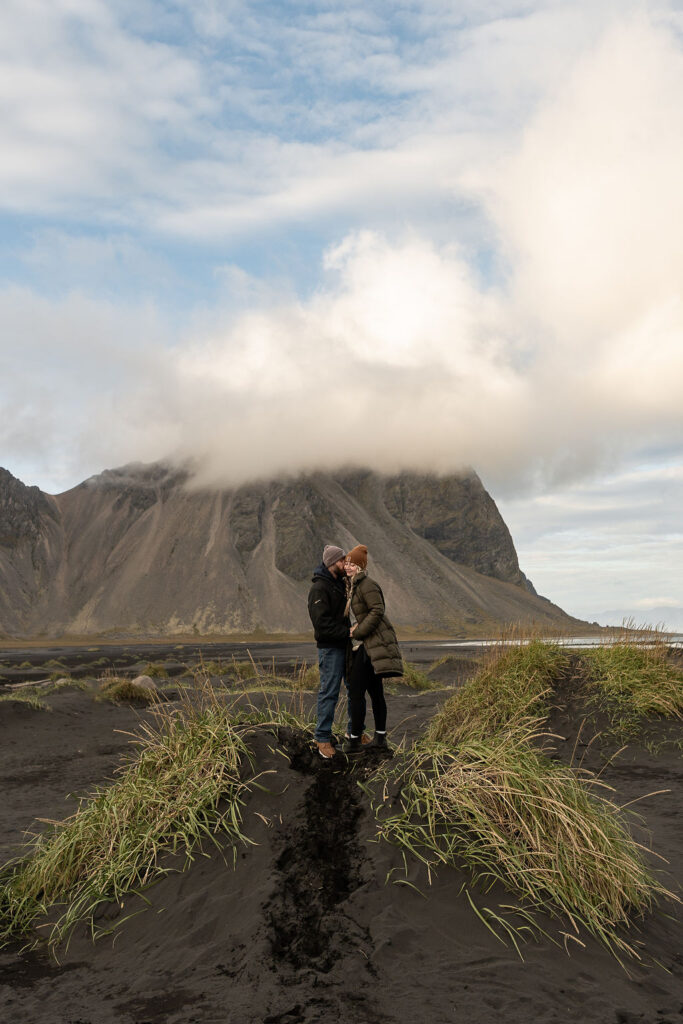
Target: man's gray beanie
(331, 554)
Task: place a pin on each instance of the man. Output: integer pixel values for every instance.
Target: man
(331, 625)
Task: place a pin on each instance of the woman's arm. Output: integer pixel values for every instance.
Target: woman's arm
(372, 595)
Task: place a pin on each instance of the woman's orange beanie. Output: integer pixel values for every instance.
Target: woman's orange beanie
(359, 556)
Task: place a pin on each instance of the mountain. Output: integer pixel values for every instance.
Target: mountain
(141, 550)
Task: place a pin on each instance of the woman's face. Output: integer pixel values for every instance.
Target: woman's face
(350, 568)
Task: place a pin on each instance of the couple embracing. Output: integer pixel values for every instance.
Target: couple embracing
(356, 643)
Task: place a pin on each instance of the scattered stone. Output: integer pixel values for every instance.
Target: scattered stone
(146, 682)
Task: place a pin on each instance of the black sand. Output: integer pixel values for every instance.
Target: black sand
(306, 928)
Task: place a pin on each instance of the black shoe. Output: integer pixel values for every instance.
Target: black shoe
(355, 746)
(379, 741)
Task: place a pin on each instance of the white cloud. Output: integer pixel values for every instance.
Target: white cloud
(240, 119)
(611, 543)
(556, 128)
(82, 98)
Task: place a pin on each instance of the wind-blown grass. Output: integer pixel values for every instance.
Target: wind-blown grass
(155, 670)
(119, 690)
(478, 792)
(631, 684)
(30, 698)
(184, 786)
(259, 676)
(510, 686)
(33, 695)
(416, 679)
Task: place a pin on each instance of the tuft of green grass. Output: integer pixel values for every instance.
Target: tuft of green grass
(155, 670)
(117, 690)
(29, 697)
(32, 695)
(480, 792)
(416, 679)
(184, 786)
(243, 669)
(305, 679)
(220, 669)
(633, 683)
(65, 683)
(500, 808)
(509, 687)
(445, 659)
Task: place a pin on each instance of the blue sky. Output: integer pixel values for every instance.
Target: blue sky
(213, 211)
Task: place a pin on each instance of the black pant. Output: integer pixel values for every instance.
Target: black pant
(362, 679)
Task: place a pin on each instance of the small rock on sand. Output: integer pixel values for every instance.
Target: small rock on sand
(145, 681)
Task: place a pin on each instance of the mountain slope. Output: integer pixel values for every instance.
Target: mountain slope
(139, 550)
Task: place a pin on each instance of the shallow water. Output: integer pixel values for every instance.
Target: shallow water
(674, 640)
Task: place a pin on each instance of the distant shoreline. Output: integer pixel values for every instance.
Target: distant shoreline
(476, 638)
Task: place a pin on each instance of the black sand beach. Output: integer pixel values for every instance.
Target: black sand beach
(315, 922)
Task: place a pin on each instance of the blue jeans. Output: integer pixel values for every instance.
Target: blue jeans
(332, 664)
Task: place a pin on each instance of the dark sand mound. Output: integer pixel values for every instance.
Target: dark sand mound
(305, 927)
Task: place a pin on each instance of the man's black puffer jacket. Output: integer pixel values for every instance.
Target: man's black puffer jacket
(326, 606)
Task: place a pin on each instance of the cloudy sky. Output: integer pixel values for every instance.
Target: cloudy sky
(429, 234)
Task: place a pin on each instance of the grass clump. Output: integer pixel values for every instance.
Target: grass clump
(510, 687)
(155, 670)
(64, 683)
(632, 684)
(303, 679)
(120, 690)
(243, 670)
(219, 669)
(502, 809)
(183, 786)
(29, 697)
(479, 792)
(416, 679)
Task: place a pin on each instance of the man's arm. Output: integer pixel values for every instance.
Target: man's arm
(326, 626)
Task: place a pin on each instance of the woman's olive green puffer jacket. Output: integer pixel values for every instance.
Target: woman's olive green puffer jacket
(374, 629)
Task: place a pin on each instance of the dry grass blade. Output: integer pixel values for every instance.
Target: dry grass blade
(633, 683)
(510, 686)
(479, 792)
(184, 785)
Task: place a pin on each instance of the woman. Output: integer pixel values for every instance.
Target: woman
(375, 654)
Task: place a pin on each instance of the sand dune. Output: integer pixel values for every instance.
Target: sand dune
(305, 928)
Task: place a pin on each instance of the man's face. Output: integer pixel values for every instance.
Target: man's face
(338, 567)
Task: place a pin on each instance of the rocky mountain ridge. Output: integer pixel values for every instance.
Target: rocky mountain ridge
(141, 550)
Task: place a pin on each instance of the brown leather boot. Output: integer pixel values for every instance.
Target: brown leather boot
(326, 750)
